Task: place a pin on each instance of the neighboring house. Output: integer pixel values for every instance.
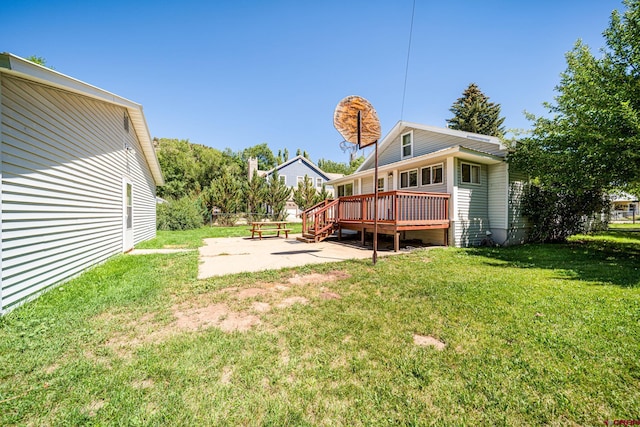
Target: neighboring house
(471, 168)
(624, 206)
(294, 171)
(79, 176)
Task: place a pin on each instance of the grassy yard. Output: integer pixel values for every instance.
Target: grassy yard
(192, 239)
(534, 335)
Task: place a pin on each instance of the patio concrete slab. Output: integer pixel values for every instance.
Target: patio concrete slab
(231, 255)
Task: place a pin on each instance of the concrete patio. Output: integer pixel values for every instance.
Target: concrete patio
(221, 256)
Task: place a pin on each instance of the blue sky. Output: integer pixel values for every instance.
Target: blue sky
(236, 73)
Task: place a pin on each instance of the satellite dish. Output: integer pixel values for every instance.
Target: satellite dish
(357, 121)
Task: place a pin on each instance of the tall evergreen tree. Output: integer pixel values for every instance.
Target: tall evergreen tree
(277, 195)
(226, 194)
(305, 195)
(256, 192)
(474, 113)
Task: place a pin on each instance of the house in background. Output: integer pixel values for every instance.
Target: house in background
(624, 206)
(79, 176)
(439, 185)
(294, 171)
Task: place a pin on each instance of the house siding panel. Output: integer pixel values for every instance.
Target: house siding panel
(472, 221)
(518, 225)
(497, 200)
(426, 142)
(63, 161)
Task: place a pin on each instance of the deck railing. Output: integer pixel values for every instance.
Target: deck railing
(396, 207)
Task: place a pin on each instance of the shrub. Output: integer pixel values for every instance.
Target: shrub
(181, 214)
(556, 212)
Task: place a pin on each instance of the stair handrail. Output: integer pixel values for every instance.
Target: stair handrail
(316, 211)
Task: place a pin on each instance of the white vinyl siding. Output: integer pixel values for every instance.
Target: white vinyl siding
(497, 195)
(518, 225)
(426, 142)
(472, 221)
(63, 161)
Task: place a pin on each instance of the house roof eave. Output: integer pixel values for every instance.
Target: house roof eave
(19, 67)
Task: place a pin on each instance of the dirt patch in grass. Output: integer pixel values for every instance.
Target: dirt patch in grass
(288, 302)
(428, 340)
(227, 374)
(316, 278)
(93, 407)
(205, 311)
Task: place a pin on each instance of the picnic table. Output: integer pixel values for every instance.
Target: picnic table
(260, 227)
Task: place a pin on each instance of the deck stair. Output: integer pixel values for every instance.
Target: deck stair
(319, 221)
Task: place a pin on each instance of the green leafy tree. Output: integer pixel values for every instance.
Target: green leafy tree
(262, 152)
(305, 194)
(285, 155)
(256, 194)
(225, 193)
(331, 166)
(188, 169)
(474, 113)
(591, 143)
(39, 60)
(277, 195)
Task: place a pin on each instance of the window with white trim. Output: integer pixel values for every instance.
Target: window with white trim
(381, 184)
(409, 178)
(299, 179)
(345, 189)
(470, 173)
(406, 142)
(431, 175)
(318, 182)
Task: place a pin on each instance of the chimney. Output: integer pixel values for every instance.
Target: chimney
(253, 166)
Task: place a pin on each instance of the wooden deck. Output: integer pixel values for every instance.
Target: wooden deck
(397, 211)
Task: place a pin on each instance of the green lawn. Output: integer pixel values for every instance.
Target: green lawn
(192, 239)
(534, 335)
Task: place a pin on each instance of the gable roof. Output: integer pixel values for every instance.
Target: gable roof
(458, 151)
(14, 65)
(401, 126)
(308, 162)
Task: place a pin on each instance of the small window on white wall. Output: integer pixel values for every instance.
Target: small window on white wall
(318, 182)
(380, 184)
(470, 173)
(406, 141)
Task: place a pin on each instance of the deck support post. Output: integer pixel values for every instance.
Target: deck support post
(396, 241)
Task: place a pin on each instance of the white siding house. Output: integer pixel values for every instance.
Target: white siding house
(78, 178)
(472, 168)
